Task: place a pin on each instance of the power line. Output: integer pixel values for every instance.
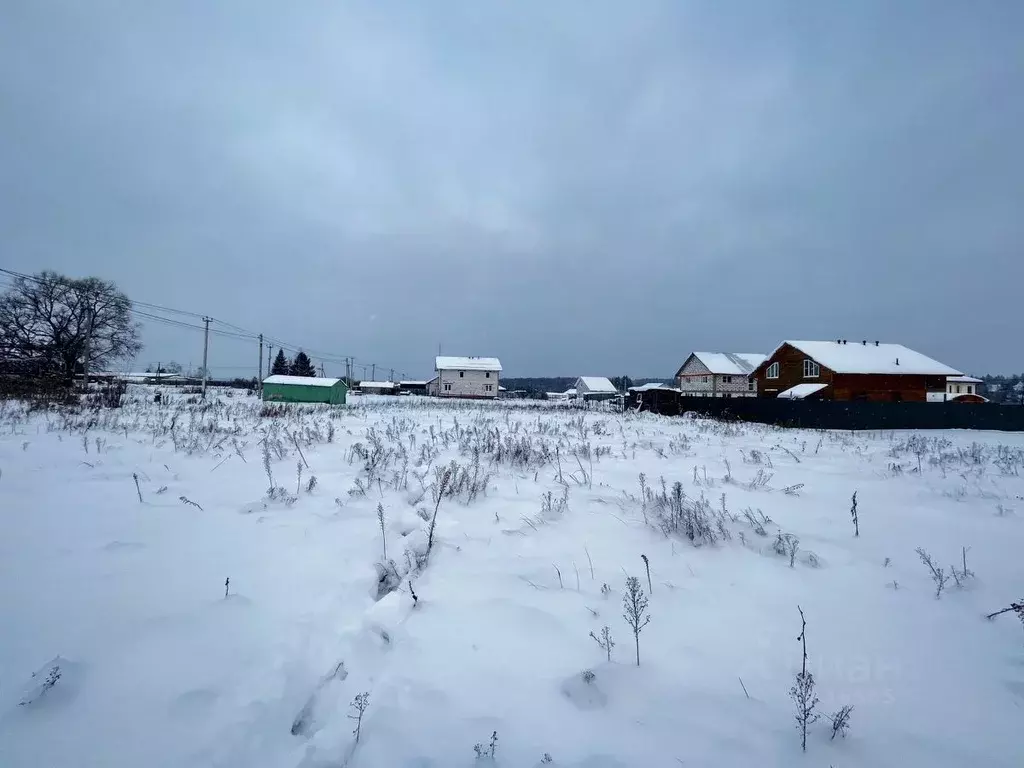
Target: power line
(236, 332)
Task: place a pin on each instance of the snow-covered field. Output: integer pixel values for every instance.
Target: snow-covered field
(141, 659)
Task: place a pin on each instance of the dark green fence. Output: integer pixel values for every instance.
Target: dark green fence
(826, 414)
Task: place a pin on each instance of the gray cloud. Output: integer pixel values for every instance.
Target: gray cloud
(574, 187)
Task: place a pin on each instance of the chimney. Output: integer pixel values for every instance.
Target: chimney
(876, 343)
(897, 361)
(864, 342)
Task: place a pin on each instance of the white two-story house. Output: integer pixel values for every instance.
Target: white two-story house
(465, 377)
(718, 374)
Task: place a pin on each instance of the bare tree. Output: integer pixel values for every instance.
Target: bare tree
(58, 321)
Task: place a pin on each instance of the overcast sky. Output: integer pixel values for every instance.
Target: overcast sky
(578, 188)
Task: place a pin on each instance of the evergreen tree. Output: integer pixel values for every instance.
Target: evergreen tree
(302, 365)
(281, 366)
(622, 383)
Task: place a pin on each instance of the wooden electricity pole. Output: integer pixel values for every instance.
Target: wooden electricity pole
(206, 349)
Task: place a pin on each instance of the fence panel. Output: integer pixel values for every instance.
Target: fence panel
(827, 414)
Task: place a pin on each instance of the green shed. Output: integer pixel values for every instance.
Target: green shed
(304, 389)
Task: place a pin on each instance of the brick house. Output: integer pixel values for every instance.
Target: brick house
(850, 370)
(718, 374)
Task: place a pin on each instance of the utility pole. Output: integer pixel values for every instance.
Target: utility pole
(373, 372)
(323, 371)
(88, 345)
(392, 375)
(206, 349)
(261, 359)
(270, 354)
(348, 371)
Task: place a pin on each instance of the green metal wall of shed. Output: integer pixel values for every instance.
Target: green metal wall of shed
(296, 393)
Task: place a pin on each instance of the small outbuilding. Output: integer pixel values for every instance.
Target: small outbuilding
(304, 389)
(378, 387)
(412, 387)
(595, 388)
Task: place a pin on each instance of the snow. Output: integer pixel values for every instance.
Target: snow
(126, 598)
(446, 363)
(652, 385)
(731, 363)
(854, 357)
(304, 381)
(800, 391)
(964, 380)
(595, 385)
(377, 385)
(948, 397)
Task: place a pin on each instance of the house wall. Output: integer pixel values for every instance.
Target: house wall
(691, 381)
(954, 388)
(470, 384)
(844, 386)
(885, 387)
(791, 373)
(292, 393)
(691, 378)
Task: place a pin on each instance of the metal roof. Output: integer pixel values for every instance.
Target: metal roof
(448, 363)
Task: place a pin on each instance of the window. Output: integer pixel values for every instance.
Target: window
(773, 371)
(727, 379)
(750, 384)
(487, 375)
(958, 389)
(704, 379)
(811, 369)
(488, 387)
(462, 374)
(447, 387)
(970, 389)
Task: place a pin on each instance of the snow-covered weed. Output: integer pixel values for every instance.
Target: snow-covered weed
(939, 576)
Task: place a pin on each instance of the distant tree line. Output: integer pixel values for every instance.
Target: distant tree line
(1004, 389)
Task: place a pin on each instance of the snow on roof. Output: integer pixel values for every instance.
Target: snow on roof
(651, 385)
(800, 391)
(595, 384)
(304, 381)
(855, 357)
(731, 363)
(377, 385)
(412, 383)
(964, 380)
(446, 363)
(953, 398)
(942, 397)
